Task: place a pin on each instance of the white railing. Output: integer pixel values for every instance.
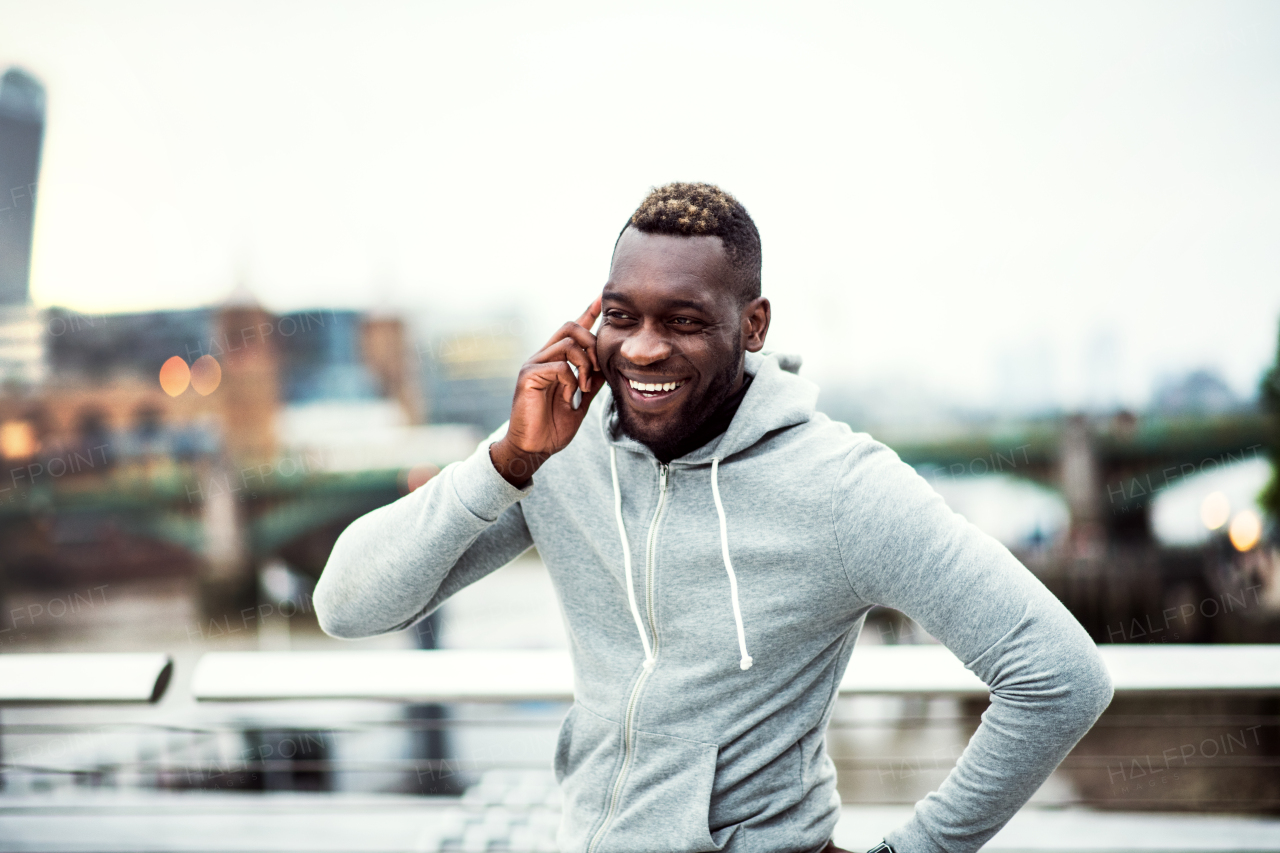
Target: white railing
(512, 676)
(83, 679)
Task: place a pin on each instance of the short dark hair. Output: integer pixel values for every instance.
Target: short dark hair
(705, 210)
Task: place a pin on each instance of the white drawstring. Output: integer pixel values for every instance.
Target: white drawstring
(746, 661)
(626, 559)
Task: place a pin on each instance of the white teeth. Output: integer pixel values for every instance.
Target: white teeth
(655, 386)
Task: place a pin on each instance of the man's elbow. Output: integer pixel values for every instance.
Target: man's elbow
(335, 627)
(1091, 687)
(332, 616)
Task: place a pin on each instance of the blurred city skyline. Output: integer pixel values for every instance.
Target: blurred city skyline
(268, 267)
(1058, 206)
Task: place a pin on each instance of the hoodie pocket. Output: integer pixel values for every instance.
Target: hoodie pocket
(588, 752)
(665, 798)
(582, 734)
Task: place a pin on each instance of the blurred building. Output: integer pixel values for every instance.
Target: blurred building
(21, 135)
(471, 373)
(202, 444)
(1200, 392)
(21, 132)
(322, 357)
(103, 386)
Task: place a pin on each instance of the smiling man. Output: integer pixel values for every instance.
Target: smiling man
(716, 544)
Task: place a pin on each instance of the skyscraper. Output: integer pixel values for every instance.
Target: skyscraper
(21, 132)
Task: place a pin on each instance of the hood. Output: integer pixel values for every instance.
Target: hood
(778, 398)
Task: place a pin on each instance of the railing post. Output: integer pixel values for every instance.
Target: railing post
(431, 743)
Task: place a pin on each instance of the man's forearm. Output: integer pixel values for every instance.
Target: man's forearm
(1047, 681)
(389, 564)
(1048, 686)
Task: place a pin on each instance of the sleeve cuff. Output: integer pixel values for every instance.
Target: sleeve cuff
(480, 487)
(910, 838)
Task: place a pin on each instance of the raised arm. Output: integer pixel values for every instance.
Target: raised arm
(396, 564)
(905, 549)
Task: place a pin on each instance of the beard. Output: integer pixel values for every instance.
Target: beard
(666, 438)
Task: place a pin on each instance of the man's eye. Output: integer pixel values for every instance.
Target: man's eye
(616, 317)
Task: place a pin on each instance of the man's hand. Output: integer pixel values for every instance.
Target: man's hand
(543, 420)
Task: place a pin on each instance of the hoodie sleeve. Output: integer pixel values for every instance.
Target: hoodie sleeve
(902, 547)
(394, 565)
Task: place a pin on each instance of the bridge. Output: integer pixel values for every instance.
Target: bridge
(1108, 470)
(210, 518)
(1110, 571)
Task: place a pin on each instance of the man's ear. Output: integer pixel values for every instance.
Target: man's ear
(755, 324)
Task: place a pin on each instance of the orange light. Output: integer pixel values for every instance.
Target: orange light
(206, 375)
(1246, 530)
(418, 477)
(18, 440)
(175, 376)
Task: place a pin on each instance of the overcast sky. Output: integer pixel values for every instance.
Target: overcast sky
(990, 202)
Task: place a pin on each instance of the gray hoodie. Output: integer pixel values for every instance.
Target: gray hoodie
(711, 607)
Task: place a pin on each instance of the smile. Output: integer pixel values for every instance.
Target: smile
(654, 390)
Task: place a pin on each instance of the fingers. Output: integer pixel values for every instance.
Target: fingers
(585, 340)
(594, 384)
(582, 338)
(580, 331)
(541, 377)
(588, 318)
(568, 350)
(588, 391)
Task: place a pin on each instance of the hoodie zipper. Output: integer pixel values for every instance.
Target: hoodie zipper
(644, 674)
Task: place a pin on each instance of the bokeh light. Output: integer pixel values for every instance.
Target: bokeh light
(18, 440)
(419, 476)
(1215, 510)
(1246, 530)
(175, 376)
(206, 375)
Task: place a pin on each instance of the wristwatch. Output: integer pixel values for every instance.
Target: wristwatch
(882, 847)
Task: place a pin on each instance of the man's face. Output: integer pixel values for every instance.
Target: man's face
(671, 324)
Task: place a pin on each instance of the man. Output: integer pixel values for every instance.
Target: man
(716, 544)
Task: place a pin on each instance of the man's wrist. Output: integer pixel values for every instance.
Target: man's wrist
(516, 466)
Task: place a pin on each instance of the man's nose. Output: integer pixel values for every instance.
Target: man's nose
(647, 345)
